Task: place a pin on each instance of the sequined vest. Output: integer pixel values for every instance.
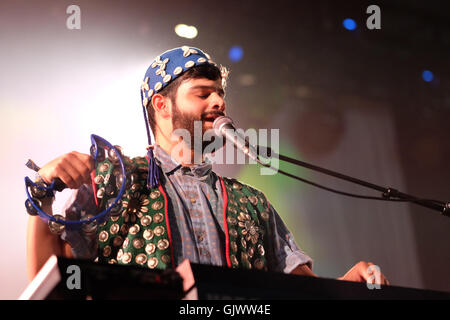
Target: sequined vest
(138, 232)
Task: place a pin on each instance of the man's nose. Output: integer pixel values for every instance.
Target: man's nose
(217, 103)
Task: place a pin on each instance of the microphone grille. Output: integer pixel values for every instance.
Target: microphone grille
(220, 122)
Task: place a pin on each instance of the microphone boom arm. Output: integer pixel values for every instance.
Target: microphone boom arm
(387, 193)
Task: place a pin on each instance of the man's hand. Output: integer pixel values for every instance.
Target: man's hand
(73, 169)
(362, 272)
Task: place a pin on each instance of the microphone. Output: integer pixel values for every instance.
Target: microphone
(224, 126)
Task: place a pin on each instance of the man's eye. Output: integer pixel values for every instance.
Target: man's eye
(204, 96)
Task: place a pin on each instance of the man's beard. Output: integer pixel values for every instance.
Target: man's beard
(187, 122)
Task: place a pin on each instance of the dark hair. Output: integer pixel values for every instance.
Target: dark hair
(207, 71)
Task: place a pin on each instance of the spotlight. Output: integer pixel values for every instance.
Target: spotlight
(427, 76)
(349, 24)
(236, 53)
(185, 31)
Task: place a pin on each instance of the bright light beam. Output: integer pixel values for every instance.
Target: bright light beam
(185, 31)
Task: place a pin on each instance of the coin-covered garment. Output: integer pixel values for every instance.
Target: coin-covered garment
(138, 233)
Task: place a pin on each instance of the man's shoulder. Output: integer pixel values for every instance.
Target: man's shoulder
(235, 184)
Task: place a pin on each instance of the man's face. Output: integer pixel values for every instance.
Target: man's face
(198, 100)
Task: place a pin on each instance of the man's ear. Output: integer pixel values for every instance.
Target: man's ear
(162, 106)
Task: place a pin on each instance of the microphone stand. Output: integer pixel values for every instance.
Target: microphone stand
(387, 193)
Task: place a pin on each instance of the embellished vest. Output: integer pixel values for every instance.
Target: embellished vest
(137, 232)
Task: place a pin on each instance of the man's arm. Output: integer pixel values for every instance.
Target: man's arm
(303, 270)
(360, 272)
(41, 243)
(288, 253)
(74, 170)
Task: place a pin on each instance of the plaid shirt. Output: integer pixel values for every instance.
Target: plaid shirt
(195, 206)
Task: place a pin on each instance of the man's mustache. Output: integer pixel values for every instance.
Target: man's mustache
(211, 113)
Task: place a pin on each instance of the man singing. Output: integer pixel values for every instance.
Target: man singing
(174, 207)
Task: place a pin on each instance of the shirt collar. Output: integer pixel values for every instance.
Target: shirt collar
(170, 165)
(164, 160)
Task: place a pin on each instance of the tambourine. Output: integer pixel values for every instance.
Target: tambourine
(40, 190)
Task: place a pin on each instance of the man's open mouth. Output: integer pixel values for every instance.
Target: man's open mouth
(210, 117)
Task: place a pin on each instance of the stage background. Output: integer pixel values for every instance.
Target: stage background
(353, 101)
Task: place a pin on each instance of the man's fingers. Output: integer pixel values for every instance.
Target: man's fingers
(365, 272)
(85, 159)
(375, 275)
(78, 170)
(75, 174)
(73, 169)
(360, 272)
(371, 271)
(65, 177)
(84, 164)
(384, 280)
